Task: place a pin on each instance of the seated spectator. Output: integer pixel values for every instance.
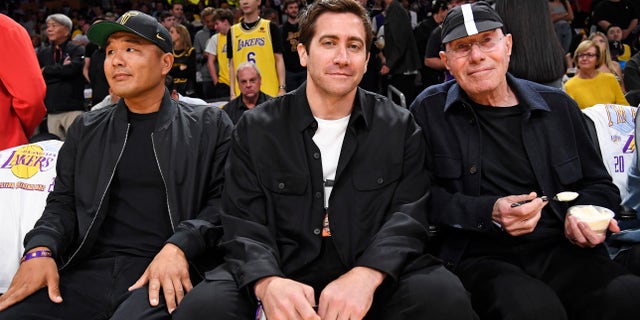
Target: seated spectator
(608, 64)
(632, 73)
(136, 200)
(325, 196)
(519, 256)
(249, 81)
(614, 33)
(590, 86)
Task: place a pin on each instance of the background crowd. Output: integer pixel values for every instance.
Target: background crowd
(406, 57)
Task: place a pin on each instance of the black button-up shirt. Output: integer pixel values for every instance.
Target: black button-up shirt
(236, 107)
(273, 216)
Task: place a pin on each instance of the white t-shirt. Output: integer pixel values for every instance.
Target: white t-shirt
(329, 138)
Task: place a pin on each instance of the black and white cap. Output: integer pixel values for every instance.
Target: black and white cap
(469, 19)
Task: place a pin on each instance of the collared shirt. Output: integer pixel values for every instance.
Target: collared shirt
(274, 204)
(236, 107)
(556, 143)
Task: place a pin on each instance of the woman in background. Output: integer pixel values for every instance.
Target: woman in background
(608, 65)
(184, 63)
(590, 86)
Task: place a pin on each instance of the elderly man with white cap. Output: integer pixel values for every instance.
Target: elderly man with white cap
(495, 145)
(134, 214)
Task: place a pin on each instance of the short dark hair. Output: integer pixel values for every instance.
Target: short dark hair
(223, 14)
(288, 2)
(164, 15)
(309, 16)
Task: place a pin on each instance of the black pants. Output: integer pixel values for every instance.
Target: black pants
(549, 280)
(92, 289)
(426, 290)
(630, 259)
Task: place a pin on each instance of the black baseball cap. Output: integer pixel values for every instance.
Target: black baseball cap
(134, 22)
(469, 19)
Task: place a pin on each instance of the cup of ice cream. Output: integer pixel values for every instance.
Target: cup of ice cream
(595, 216)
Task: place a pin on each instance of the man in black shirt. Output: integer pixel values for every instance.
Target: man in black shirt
(136, 198)
(324, 198)
(249, 81)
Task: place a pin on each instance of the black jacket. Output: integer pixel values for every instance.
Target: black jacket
(631, 75)
(400, 48)
(236, 108)
(274, 200)
(190, 144)
(65, 83)
(556, 141)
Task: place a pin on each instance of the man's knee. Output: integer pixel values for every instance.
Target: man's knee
(430, 293)
(221, 298)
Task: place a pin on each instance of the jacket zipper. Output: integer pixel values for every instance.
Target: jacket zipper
(166, 191)
(126, 136)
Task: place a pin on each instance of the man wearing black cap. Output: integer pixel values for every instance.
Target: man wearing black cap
(136, 197)
(495, 145)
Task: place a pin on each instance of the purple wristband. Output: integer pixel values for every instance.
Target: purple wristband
(36, 254)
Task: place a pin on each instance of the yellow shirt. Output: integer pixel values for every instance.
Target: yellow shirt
(627, 53)
(603, 88)
(223, 61)
(255, 45)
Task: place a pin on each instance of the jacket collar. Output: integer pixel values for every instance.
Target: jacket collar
(167, 111)
(361, 112)
(527, 92)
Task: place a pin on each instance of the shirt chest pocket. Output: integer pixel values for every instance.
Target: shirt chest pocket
(366, 179)
(568, 171)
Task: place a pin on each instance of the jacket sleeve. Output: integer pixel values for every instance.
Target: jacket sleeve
(403, 235)
(197, 235)
(631, 75)
(57, 227)
(250, 248)
(21, 77)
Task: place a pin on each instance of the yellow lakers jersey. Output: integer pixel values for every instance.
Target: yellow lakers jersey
(255, 46)
(223, 61)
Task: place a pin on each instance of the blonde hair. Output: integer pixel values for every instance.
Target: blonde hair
(605, 53)
(185, 37)
(584, 46)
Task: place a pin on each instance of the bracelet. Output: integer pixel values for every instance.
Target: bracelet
(36, 254)
(282, 87)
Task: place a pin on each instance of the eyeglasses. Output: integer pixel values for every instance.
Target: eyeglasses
(486, 44)
(586, 55)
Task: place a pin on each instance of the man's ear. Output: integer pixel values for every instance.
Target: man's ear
(443, 57)
(302, 53)
(166, 62)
